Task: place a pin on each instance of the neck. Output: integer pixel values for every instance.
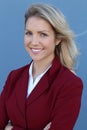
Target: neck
(40, 66)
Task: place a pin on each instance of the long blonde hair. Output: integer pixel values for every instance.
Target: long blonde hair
(66, 50)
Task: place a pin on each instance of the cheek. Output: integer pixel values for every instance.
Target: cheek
(52, 46)
(26, 40)
(52, 43)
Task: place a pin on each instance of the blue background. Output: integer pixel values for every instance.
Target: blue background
(13, 54)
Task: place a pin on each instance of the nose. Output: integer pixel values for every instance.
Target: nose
(35, 40)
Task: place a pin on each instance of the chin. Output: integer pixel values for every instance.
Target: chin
(37, 59)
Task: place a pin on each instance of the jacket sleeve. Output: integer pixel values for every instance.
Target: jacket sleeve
(3, 113)
(67, 106)
(7, 89)
(18, 128)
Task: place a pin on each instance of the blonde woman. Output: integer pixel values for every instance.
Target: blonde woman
(45, 94)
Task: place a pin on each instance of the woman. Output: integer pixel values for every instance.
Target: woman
(46, 92)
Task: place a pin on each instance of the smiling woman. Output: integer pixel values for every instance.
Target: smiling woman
(40, 41)
(44, 94)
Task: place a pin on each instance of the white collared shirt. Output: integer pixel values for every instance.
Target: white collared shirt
(31, 83)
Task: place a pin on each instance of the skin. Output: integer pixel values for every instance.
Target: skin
(8, 127)
(40, 42)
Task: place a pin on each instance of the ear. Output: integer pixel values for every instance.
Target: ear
(58, 41)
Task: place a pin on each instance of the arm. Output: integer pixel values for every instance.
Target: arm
(3, 112)
(47, 127)
(4, 125)
(8, 87)
(67, 106)
(10, 127)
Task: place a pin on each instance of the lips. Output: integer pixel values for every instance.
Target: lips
(36, 50)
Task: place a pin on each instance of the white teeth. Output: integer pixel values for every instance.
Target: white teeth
(36, 50)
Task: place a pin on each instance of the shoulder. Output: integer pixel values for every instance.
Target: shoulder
(66, 78)
(71, 76)
(15, 74)
(19, 71)
(21, 68)
(67, 84)
(62, 75)
(70, 80)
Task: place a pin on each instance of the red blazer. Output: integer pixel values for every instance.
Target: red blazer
(56, 99)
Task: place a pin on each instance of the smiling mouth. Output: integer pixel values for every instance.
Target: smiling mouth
(36, 50)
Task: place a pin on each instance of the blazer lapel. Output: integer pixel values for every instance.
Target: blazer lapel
(39, 89)
(45, 82)
(21, 91)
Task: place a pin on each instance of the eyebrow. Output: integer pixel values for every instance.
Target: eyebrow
(43, 31)
(39, 31)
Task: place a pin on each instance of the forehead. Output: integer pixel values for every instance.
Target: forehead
(38, 23)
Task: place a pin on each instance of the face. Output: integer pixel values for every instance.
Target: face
(39, 39)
